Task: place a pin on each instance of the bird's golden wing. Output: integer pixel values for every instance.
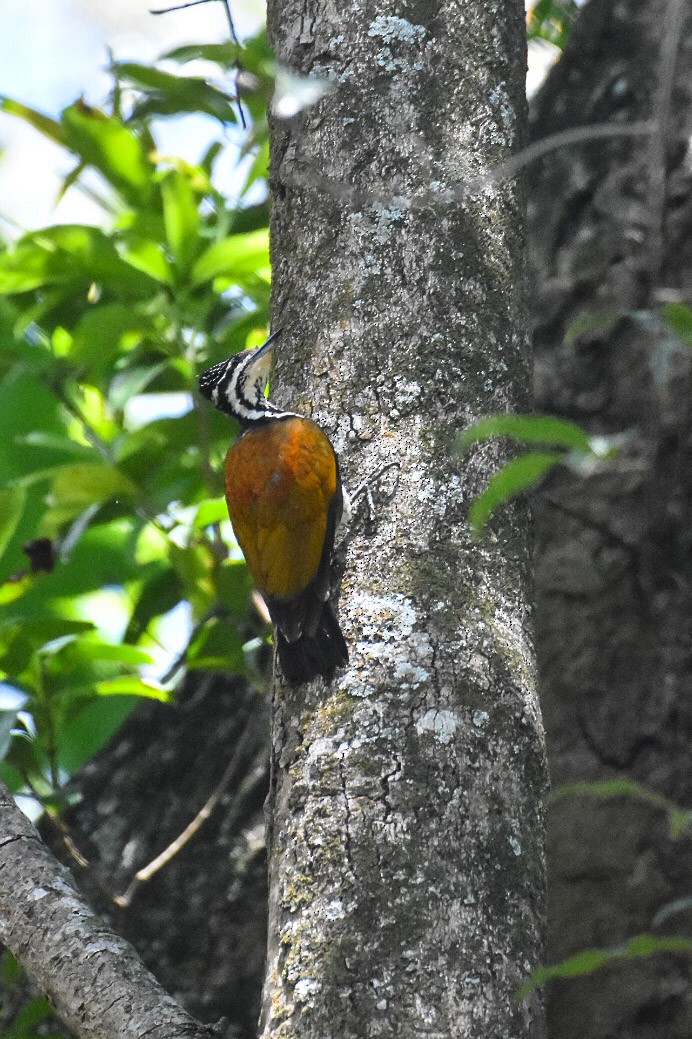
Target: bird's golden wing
(280, 480)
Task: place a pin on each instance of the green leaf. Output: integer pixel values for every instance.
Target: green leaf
(82, 735)
(222, 53)
(168, 94)
(84, 483)
(589, 960)
(20, 640)
(528, 429)
(148, 257)
(259, 168)
(181, 218)
(592, 324)
(158, 595)
(551, 20)
(131, 685)
(233, 257)
(103, 331)
(12, 501)
(27, 1020)
(43, 123)
(679, 819)
(131, 381)
(120, 652)
(50, 442)
(519, 474)
(67, 255)
(217, 646)
(213, 510)
(234, 587)
(116, 152)
(678, 317)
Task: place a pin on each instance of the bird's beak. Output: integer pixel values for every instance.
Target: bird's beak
(266, 346)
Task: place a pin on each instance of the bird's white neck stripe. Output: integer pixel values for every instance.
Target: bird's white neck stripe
(245, 409)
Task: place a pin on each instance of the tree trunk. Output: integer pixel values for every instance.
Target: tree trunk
(406, 862)
(610, 232)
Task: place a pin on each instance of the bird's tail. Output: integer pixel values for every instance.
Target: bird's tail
(313, 655)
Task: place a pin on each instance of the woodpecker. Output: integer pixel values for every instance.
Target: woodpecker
(285, 500)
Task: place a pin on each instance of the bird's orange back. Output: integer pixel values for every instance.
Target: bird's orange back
(280, 479)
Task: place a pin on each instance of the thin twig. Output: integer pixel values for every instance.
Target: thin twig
(234, 37)
(181, 7)
(148, 871)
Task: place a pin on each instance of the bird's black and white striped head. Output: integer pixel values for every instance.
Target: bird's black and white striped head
(236, 386)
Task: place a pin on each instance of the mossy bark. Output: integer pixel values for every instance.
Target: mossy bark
(406, 856)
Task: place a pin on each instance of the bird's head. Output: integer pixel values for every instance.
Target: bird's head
(236, 386)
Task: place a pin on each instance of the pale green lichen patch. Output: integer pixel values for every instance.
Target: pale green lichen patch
(441, 725)
(396, 33)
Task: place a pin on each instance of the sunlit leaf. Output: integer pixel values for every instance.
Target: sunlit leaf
(104, 330)
(67, 255)
(43, 123)
(233, 257)
(551, 20)
(213, 510)
(181, 217)
(148, 257)
(159, 594)
(55, 443)
(120, 652)
(131, 685)
(519, 474)
(131, 381)
(103, 142)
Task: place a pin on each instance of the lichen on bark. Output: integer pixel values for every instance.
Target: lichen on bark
(406, 867)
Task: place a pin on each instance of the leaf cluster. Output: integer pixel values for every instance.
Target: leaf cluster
(111, 509)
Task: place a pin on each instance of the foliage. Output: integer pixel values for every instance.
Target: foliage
(589, 960)
(111, 514)
(679, 819)
(551, 20)
(569, 445)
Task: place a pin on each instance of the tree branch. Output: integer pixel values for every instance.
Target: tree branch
(96, 982)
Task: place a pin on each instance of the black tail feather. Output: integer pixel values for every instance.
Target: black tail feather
(313, 655)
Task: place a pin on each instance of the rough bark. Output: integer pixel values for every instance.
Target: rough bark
(200, 923)
(610, 231)
(405, 812)
(94, 979)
